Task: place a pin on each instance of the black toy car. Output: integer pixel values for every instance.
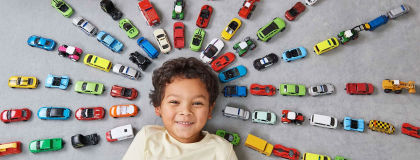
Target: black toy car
(79, 141)
(265, 61)
(108, 7)
(141, 61)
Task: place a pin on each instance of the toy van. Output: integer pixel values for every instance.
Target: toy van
(236, 113)
(323, 121)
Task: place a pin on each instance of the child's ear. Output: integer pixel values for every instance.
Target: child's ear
(157, 111)
(211, 110)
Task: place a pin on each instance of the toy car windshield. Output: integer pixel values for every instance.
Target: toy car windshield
(165, 46)
(84, 86)
(56, 112)
(268, 117)
(233, 25)
(204, 13)
(273, 26)
(296, 89)
(231, 90)
(210, 51)
(332, 121)
(293, 12)
(126, 92)
(231, 73)
(354, 124)
(56, 81)
(127, 26)
(80, 22)
(61, 6)
(87, 113)
(196, 41)
(160, 36)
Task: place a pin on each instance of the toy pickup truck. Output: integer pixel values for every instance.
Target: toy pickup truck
(259, 144)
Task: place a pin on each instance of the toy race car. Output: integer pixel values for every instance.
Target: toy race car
(262, 90)
(292, 117)
(122, 92)
(204, 16)
(162, 40)
(148, 47)
(141, 61)
(40, 42)
(91, 113)
(129, 28)
(110, 42)
(265, 61)
(15, 115)
(97, 62)
(222, 61)
(61, 82)
(353, 124)
(62, 7)
(79, 141)
(45, 145)
(127, 110)
(410, 130)
(232, 74)
(292, 90)
(231, 137)
(179, 37)
(178, 12)
(73, 53)
(149, 13)
(322, 89)
(125, 71)
(264, 117)
(231, 29)
(85, 26)
(380, 126)
(359, 88)
(292, 13)
(211, 51)
(235, 91)
(284, 152)
(197, 39)
(89, 87)
(244, 46)
(271, 29)
(247, 7)
(54, 113)
(294, 54)
(120, 133)
(10, 148)
(23, 82)
(108, 7)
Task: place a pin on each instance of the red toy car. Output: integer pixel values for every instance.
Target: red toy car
(179, 35)
(92, 113)
(262, 90)
(410, 130)
(204, 16)
(284, 152)
(10, 148)
(122, 92)
(15, 115)
(247, 7)
(359, 88)
(149, 13)
(292, 117)
(222, 61)
(292, 13)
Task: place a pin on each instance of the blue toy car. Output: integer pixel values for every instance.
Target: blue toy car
(44, 43)
(54, 113)
(109, 41)
(354, 124)
(61, 82)
(232, 74)
(235, 91)
(148, 47)
(294, 54)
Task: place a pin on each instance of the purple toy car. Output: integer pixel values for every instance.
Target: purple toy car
(73, 53)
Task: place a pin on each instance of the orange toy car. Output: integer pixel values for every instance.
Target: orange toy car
(127, 110)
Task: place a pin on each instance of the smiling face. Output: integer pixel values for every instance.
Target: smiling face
(185, 109)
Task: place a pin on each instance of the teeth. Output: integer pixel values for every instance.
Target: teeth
(186, 123)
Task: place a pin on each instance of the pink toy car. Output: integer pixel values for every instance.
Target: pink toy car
(73, 53)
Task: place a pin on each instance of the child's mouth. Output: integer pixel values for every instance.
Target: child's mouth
(184, 123)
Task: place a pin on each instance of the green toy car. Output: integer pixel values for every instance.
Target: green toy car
(197, 39)
(292, 90)
(242, 47)
(347, 35)
(44, 145)
(62, 7)
(340, 158)
(89, 87)
(178, 12)
(231, 137)
(129, 28)
(271, 29)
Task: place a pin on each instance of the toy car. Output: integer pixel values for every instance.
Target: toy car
(292, 117)
(162, 40)
(204, 16)
(89, 87)
(179, 39)
(247, 7)
(353, 124)
(108, 7)
(287, 153)
(380, 126)
(262, 90)
(10, 148)
(44, 145)
(122, 92)
(15, 115)
(271, 29)
(178, 12)
(129, 110)
(53, 81)
(313, 156)
(129, 28)
(294, 54)
(231, 137)
(197, 39)
(323, 121)
(222, 61)
(85, 26)
(91, 113)
(322, 89)
(40, 42)
(23, 82)
(126, 71)
(244, 46)
(347, 35)
(292, 90)
(110, 42)
(258, 144)
(310, 2)
(292, 13)
(359, 88)
(73, 53)
(235, 112)
(398, 11)
(231, 29)
(235, 91)
(149, 13)
(410, 130)
(326, 46)
(79, 141)
(120, 133)
(148, 47)
(62, 7)
(212, 49)
(397, 86)
(232, 74)
(340, 158)
(264, 117)
(54, 113)
(265, 61)
(97, 62)
(141, 61)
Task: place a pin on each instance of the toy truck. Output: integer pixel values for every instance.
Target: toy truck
(259, 144)
(372, 25)
(397, 86)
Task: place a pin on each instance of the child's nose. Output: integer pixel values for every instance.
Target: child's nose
(185, 109)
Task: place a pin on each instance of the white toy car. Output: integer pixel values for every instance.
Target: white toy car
(322, 89)
(86, 27)
(120, 133)
(396, 12)
(310, 2)
(323, 121)
(126, 71)
(211, 51)
(162, 40)
(236, 113)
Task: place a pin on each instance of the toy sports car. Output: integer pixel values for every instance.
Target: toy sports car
(162, 40)
(149, 13)
(353, 124)
(73, 53)
(122, 92)
(284, 152)
(292, 90)
(410, 130)
(129, 28)
(10, 148)
(78, 140)
(380, 126)
(179, 40)
(231, 137)
(15, 115)
(244, 46)
(148, 47)
(212, 49)
(292, 13)
(204, 16)
(120, 133)
(294, 54)
(222, 61)
(128, 110)
(262, 90)
(85, 26)
(141, 61)
(231, 29)
(62, 7)
(264, 117)
(110, 42)
(197, 39)
(322, 89)
(61, 82)
(108, 7)
(44, 145)
(91, 113)
(89, 87)
(292, 117)
(359, 88)
(235, 91)
(23, 82)
(126, 71)
(54, 113)
(178, 12)
(40, 42)
(271, 29)
(232, 74)
(265, 61)
(247, 7)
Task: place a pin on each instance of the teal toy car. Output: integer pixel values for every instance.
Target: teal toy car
(197, 39)
(44, 145)
(178, 12)
(264, 117)
(129, 28)
(271, 29)
(231, 137)
(62, 7)
(244, 46)
(292, 90)
(340, 158)
(89, 87)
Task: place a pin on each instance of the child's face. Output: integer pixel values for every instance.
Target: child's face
(185, 109)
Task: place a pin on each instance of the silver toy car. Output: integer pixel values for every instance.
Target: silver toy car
(322, 89)
(85, 25)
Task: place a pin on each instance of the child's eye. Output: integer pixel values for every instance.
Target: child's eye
(173, 102)
(197, 103)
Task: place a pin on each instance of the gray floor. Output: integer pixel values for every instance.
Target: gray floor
(391, 51)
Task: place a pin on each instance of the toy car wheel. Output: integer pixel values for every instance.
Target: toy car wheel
(298, 123)
(253, 8)
(284, 122)
(249, 16)
(387, 90)
(253, 46)
(247, 39)
(282, 29)
(398, 91)
(6, 122)
(268, 39)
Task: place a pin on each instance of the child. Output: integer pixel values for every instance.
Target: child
(184, 95)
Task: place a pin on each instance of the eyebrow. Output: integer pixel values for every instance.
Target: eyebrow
(197, 96)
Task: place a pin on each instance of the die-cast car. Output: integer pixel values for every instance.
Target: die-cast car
(123, 92)
(231, 29)
(179, 40)
(264, 117)
(85, 26)
(323, 121)
(287, 153)
(262, 90)
(211, 51)
(410, 130)
(79, 140)
(97, 62)
(15, 115)
(244, 46)
(347, 35)
(247, 7)
(127, 110)
(162, 40)
(204, 16)
(108, 7)
(141, 61)
(89, 113)
(45, 145)
(120, 133)
(381, 126)
(178, 12)
(271, 29)
(359, 88)
(322, 89)
(89, 87)
(23, 82)
(235, 91)
(234, 112)
(351, 124)
(197, 39)
(229, 136)
(292, 117)
(294, 54)
(129, 28)
(313, 156)
(62, 7)
(398, 11)
(292, 90)
(126, 71)
(40, 42)
(110, 42)
(266, 61)
(326, 45)
(310, 2)
(54, 113)
(147, 47)
(292, 13)
(73, 53)
(10, 148)
(53, 81)
(222, 61)
(149, 13)
(232, 74)
(340, 158)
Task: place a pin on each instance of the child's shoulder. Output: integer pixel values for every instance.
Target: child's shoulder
(212, 138)
(148, 130)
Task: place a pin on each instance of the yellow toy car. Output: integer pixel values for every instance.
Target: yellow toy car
(97, 62)
(23, 82)
(313, 156)
(231, 29)
(380, 126)
(326, 45)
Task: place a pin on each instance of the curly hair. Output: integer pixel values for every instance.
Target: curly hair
(189, 68)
